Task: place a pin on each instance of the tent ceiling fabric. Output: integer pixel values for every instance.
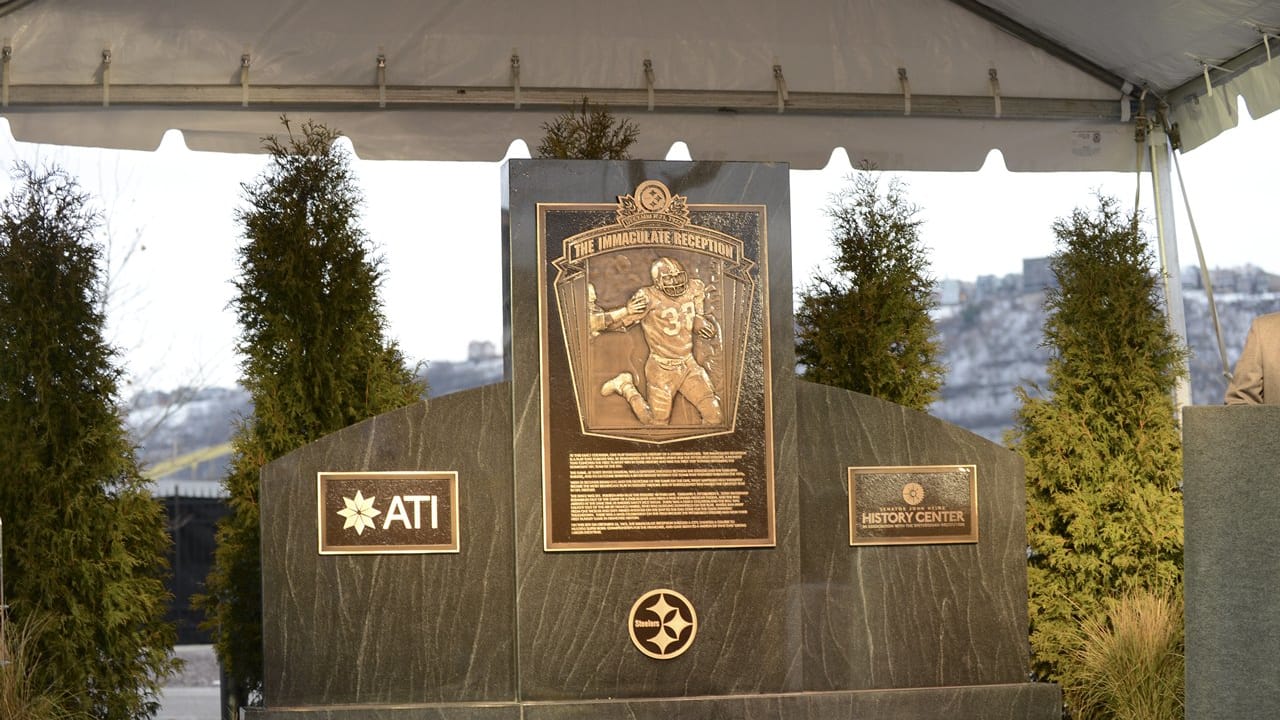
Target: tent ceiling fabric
(1166, 47)
(1152, 42)
(463, 79)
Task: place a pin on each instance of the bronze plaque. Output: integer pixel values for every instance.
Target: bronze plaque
(657, 429)
(387, 512)
(920, 505)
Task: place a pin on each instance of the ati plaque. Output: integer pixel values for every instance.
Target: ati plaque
(655, 386)
(387, 512)
(921, 505)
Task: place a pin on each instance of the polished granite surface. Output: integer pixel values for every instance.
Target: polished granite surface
(809, 628)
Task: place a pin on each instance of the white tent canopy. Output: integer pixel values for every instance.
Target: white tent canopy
(907, 84)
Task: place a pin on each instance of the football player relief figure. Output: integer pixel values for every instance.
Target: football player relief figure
(670, 313)
(654, 312)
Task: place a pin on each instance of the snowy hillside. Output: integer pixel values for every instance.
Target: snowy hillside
(991, 346)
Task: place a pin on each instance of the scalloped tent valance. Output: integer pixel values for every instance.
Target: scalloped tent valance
(908, 84)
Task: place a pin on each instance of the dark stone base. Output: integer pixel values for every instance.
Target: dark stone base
(1027, 701)
(1230, 495)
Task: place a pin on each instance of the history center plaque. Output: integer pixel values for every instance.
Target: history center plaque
(657, 429)
(913, 505)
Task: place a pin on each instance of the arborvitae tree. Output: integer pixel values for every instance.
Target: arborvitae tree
(592, 133)
(1102, 448)
(85, 553)
(863, 323)
(315, 358)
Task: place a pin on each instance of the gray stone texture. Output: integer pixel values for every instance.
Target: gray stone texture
(909, 615)
(572, 605)
(811, 628)
(381, 629)
(1230, 496)
(1025, 701)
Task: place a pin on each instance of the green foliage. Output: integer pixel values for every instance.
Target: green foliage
(21, 694)
(1103, 448)
(315, 359)
(86, 542)
(1128, 661)
(591, 133)
(863, 324)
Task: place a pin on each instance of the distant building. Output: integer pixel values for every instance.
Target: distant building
(986, 286)
(1225, 280)
(951, 292)
(478, 350)
(1255, 281)
(1247, 280)
(1037, 275)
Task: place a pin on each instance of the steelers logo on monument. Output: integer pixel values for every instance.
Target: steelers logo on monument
(662, 624)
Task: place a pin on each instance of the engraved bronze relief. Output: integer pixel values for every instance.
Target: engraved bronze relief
(655, 380)
(655, 312)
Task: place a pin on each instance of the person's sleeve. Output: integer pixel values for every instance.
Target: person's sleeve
(1245, 387)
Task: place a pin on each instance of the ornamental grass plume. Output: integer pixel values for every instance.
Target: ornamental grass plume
(21, 696)
(1129, 663)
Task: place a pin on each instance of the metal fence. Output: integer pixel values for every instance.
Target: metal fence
(192, 523)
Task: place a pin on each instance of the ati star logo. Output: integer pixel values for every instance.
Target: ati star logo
(662, 624)
(359, 512)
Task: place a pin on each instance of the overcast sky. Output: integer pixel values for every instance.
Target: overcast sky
(172, 235)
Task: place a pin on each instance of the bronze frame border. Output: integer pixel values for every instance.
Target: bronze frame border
(766, 358)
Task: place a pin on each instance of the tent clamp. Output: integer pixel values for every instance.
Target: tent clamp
(648, 80)
(382, 79)
(1268, 34)
(515, 76)
(244, 80)
(106, 77)
(994, 78)
(781, 83)
(1141, 127)
(906, 90)
(1205, 67)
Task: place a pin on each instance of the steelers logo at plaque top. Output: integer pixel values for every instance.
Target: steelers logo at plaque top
(662, 624)
(653, 196)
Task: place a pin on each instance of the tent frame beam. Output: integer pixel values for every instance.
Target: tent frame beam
(373, 97)
(1189, 91)
(1035, 39)
(1219, 74)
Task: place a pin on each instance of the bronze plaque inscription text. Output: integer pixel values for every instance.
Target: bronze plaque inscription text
(657, 429)
(920, 505)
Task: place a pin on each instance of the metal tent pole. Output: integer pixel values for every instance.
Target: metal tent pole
(1167, 242)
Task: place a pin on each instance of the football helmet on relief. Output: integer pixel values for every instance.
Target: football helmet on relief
(669, 276)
